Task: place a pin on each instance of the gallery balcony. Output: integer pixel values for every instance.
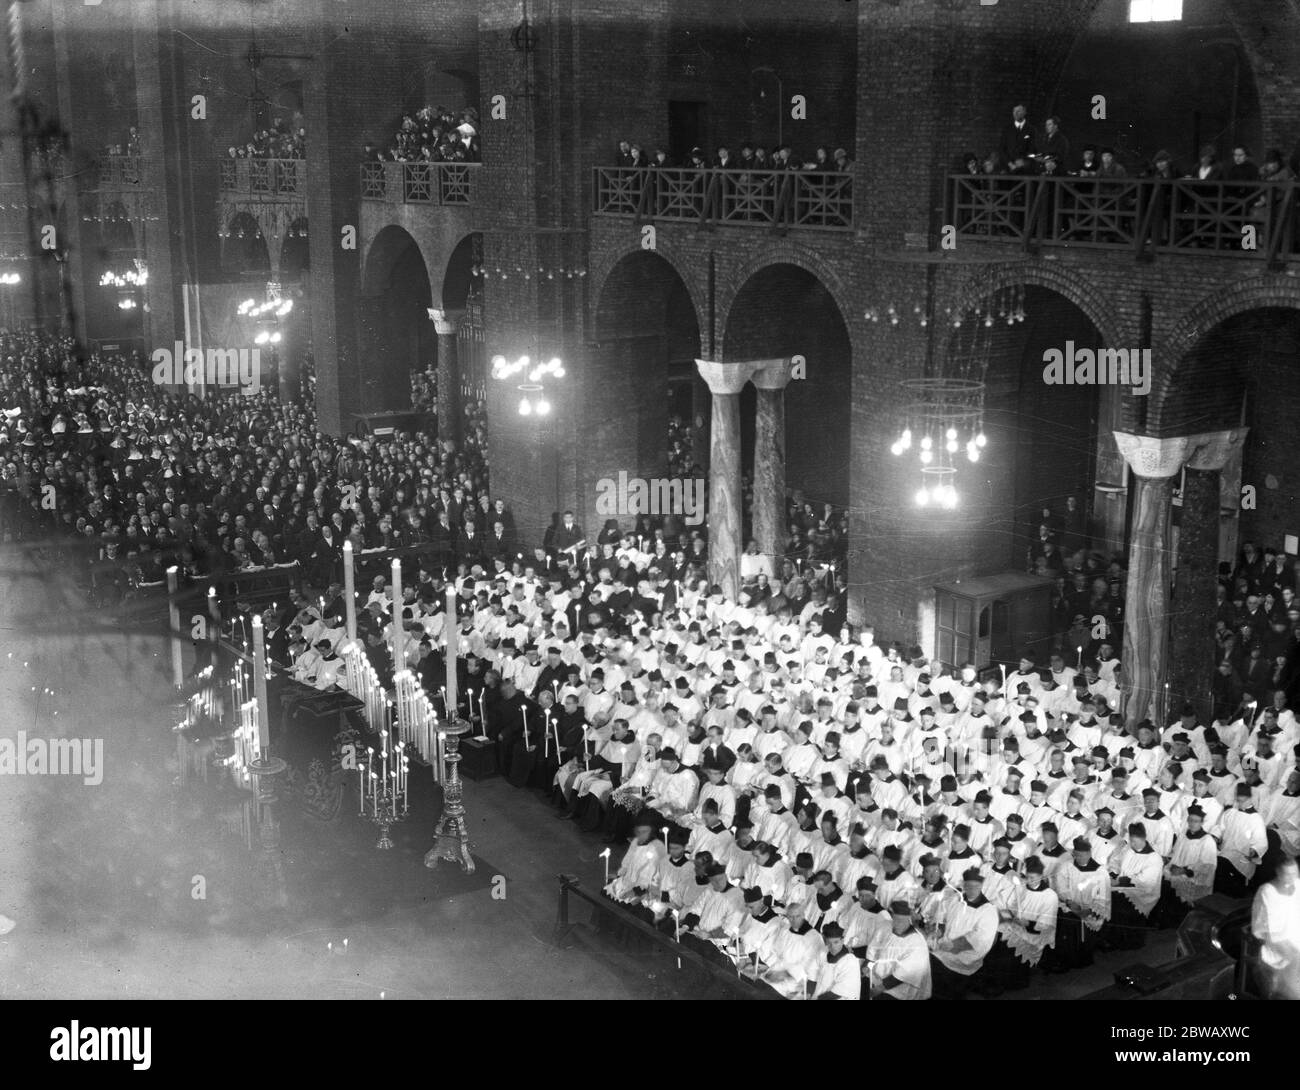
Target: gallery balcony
(1145, 216)
(264, 179)
(454, 184)
(797, 199)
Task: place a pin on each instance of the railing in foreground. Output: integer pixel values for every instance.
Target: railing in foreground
(1145, 215)
(773, 198)
(734, 986)
(420, 183)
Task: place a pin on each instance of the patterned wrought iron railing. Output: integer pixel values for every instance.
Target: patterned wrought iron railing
(1147, 216)
(776, 198)
(452, 184)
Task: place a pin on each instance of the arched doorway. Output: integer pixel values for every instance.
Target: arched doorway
(647, 340)
(397, 337)
(1042, 435)
(294, 251)
(245, 255)
(115, 306)
(786, 311)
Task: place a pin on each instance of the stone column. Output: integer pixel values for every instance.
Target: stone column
(1191, 643)
(769, 456)
(725, 381)
(1154, 462)
(446, 324)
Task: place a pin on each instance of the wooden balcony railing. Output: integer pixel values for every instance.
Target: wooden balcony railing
(264, 177)
(774, 198)
(1147, 216)
(119, 170)
(452, 184)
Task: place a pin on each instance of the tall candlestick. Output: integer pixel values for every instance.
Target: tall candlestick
(399, 660)
(259, 688)
(174, 617)
(349, 590)
(453, 654)
(1080, 666)
(524, 713)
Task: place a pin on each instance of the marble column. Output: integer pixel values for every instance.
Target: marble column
(1191, 642)
(1155, 463)
(446, 324)
(725, 381)
(769, 456)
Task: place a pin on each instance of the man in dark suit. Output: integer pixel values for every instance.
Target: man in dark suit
(1017, 138)
(469, 546)
(500, 543)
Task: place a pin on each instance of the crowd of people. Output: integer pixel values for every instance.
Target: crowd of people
(842, 819)
(745, 156)
(153, 476)
(286, 139)
(432, 134)
(1025, 149)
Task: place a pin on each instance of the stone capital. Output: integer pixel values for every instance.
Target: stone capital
(1214, 448)
(1149, 456)
(729, 377)
(772, 374)
(446, 321)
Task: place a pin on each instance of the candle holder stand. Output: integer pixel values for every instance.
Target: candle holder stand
(264, 772)
(451, 837)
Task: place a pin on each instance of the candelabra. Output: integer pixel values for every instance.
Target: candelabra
(385, 788)
(451, 837)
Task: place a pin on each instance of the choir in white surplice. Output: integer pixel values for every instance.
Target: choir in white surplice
(778, 782)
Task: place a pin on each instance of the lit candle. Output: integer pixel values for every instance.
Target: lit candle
(605, 856)
(524, 712)
(1080, 666)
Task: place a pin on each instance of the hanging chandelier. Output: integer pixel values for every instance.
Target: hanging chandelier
(534, 373)
(943, 413)
(135, 277)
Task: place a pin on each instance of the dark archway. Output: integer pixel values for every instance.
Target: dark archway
(246, 255)
(786, 311)
(1042, 437)
(397, 337)
(115, 309)
(648, 338)
(294, 251)
(1243, 372)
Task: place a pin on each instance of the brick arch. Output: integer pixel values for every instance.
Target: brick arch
(1211, 310)
(384, 249)
(603, 268)
(1073, 287)
(782, 253)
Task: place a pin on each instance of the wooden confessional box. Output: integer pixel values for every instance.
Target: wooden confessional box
(993, 619)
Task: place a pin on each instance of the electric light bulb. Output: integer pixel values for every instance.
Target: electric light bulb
(543, 407)
(926, 457)
(951, 446)
(922, 498)
(980, 440)
(951, 433)
(525, 408)
(926, 442)
(973, 454)
(907, 438)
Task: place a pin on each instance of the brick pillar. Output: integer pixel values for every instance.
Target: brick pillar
(1191, 642)
(154, 240)
(770, 380)
(725, 380)
(446, 323)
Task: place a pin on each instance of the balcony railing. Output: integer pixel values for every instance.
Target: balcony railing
(774, 198)
(1145, 215)
(420, 183)
(264, 177)
(119, 170)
